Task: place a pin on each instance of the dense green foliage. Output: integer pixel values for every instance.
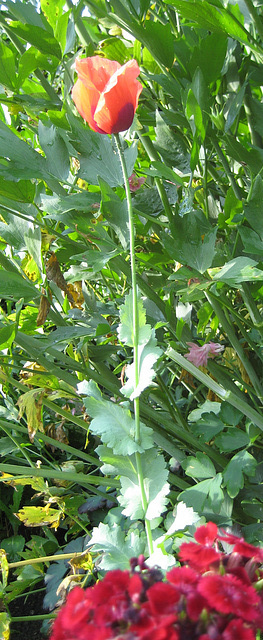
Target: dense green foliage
(66, 411)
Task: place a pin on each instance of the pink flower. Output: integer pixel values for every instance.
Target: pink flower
(199, 355)
(135, 182)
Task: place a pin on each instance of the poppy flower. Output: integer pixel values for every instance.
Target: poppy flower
(106, 94)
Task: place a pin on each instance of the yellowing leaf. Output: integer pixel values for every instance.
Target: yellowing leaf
(38, 484)
(39, 516)
(82, 562)
(4, 626)
(31, 403)
(4, 568)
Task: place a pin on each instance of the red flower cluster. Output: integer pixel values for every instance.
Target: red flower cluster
(213, 596)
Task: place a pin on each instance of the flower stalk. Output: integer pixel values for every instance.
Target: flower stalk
(135, 335)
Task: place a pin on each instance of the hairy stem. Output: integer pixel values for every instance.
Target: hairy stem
(135, 335)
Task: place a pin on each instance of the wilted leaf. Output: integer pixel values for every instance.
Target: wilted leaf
(43, 310)
(31, 403)
(55, 274)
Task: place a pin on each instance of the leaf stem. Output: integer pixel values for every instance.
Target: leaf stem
(135, 335)
(54, 558)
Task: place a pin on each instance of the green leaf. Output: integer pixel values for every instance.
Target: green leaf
(26, 13)
(7, 67)
(96, 154)
(209, 56)
(253, 208)
(232, 439)
(55, 150)
(158, 38)
(114, 424)
(155, 476)
(208, 427)
(32, 237)
(166, 173)
(21, 161)
(199, 466)
(241, 269)
(13, 286)
(252, 241)
(14, 228)
(43, 40)
(197, 496)
(192, 242)
(235, 107)
(115, 211)
(171, 146)
(125, 329)
(53, 11)
(148, 355)
(115, 548)
(33, 59)
(7, 336)
(233, 475)
(206, 407)
(214, 18)
(20, 191)
(252, 157)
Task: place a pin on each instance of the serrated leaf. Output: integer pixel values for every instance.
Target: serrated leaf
(116, 549)
(116, 426)
(155, 476)
(233, 475)
(199, 466)
(125, 329)
(148, 355)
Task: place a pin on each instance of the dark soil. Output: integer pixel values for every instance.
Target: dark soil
(29, 605)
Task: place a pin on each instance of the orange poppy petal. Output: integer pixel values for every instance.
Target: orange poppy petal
(96, 71)
(119, 100)
(86, 101)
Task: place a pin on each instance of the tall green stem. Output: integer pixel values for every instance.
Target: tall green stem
(135, 336)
